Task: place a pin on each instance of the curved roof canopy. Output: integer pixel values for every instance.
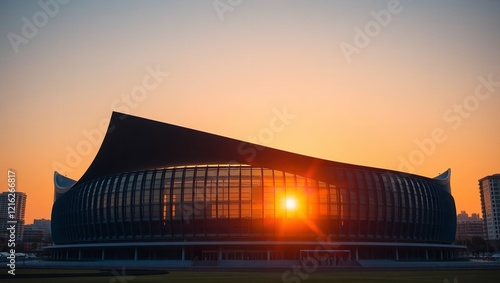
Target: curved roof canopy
(61, 185)
(133, 143)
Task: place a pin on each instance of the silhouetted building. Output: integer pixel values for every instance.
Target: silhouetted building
(45, 226)
(469, 227)
(160, 191)
(6, 201)
(489, 190)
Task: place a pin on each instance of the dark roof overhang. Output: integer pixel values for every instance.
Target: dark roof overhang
(133, 143)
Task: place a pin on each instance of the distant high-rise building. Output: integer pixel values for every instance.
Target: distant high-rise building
(44, 225)
(32, 233)
(18, 216)
(469, 227)
(489, 189)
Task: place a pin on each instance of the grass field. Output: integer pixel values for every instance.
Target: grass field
(421, 276)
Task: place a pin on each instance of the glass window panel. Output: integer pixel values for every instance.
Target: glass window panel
(234, 194)
(311, 183)
(269, 212)
(246, 209)
(222, 210)
(354, 197)
(344, 202)
(280, 196)
(321, 184)
(147, 187)
(211, 185)
(234, 210)
(104, 193)
(223, 186)
(157, 179)
(199, 192)
(334, 211)
(188, 193)
(256, 177)
(323, 194)
(333, 194)
(177, 193)
(246, 193)
(188, 185)
(137, 189)
(257, 210)
(168, 176)
(257, 193)
(189, 173)
(268, 178)
(323, 210)
(246, 177)
(119, 199)
(268, 193)
(363, 210)
(279, 181)
(300, 181)
(290, 182)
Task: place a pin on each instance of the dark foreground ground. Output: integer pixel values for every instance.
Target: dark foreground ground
(286, 276)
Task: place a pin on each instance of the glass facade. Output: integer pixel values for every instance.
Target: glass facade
(240, 202)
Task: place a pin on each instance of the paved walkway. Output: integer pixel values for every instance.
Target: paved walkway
(257, 264)
(428, 264)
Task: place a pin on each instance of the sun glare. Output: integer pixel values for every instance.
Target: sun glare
(291, 204)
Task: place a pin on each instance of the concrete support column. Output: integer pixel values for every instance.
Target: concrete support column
(103, 254)
(136, 254)
(268, 255)
(183, 253)
(397, 254)
(67, 254)
(79, 254)
(441, 254)
(357, 256)
(220, 253)
(426, 254)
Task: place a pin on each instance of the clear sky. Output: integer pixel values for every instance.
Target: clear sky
(409, 85)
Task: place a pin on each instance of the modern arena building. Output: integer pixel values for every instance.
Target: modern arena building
(159, 191)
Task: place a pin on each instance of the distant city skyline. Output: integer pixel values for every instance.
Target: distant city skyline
(469, 227)
(404, 85)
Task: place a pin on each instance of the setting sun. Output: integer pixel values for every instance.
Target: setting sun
(291, 204)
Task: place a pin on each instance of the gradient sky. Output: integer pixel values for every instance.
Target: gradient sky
(414, 78)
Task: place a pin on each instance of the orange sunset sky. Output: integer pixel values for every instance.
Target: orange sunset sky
(404, 85)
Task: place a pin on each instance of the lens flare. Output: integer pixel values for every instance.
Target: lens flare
(291, 204)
